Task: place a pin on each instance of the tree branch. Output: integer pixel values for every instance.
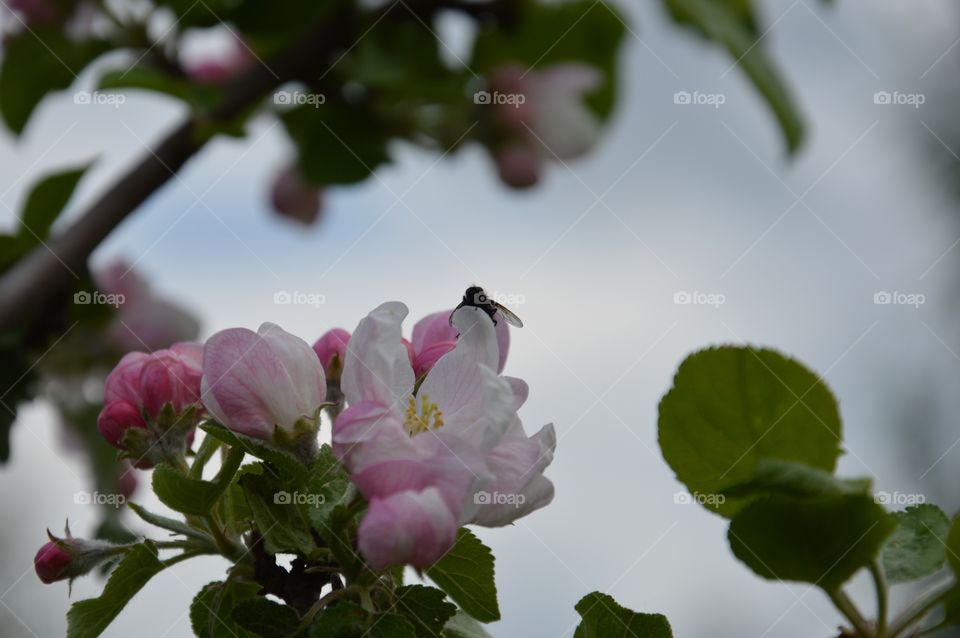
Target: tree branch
(44, 276)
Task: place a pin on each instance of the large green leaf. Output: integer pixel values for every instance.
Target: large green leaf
(773, 476)
(36, 63)
(545, 34)
(466, 573)
(211, 613)
(266, 618)
(193, 496)
(917, 548)
(820, 540)
(426, 608)
(731, 406)
(347, 620)
(602, 617)
(732, 26)
(88, 618)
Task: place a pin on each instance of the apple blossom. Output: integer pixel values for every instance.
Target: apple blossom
(433, 337)
(263, 384)
(542, 116)
(423, 459)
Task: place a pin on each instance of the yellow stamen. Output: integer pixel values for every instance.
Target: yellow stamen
(429, 417)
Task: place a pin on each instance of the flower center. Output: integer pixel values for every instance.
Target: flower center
(429, 416)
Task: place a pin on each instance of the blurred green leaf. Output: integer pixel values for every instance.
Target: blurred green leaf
(820, 540)
(602, 617)
(731, 406)
(917, 548)
(283, 460)
(466, 574)
(150, 79)
(336, 143)
(46, 201)
(36, 63)
(731, 24)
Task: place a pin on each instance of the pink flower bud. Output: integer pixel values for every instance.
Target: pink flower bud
(333, 343)
(52, 563)
(518, 165)
(116, 418)
(255, 382)
(216, 71)
(294, 198)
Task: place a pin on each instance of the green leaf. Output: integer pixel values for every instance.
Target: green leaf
(602, 617)
(466, 574)
(425, 607)
(46, 201)
(193, 496)
(37, 63)
(732, 26)
(789, 478)
(88, 618)
(282, 522)
(731, 406)
(266, 618)
(463, 626)
(285, 462)
(211, 613)
(337, 143)
(347, 620)
(917, 547)
(330, 483)
(550, 33)
(953, 545)
(822, 540)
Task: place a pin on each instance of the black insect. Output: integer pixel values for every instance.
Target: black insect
(478, 298)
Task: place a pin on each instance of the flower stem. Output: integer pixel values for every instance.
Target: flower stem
(880, 584)
(843, 603)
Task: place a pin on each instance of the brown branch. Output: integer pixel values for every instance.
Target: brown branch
(44, 276)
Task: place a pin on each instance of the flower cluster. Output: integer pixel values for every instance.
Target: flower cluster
(426, 428)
